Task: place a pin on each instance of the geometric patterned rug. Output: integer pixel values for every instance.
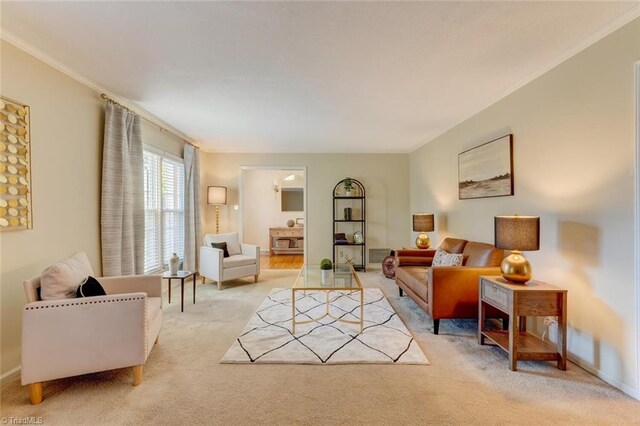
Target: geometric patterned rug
(267, 338)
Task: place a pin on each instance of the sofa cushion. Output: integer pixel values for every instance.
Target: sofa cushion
(231, 238)
(442, 258)
(453, 245)
(238, 260)
(482, 254)
(413, 277)
(90, 287)
(60, 281)
(223, 247)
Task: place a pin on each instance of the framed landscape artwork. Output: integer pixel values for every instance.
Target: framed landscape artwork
(486, 170)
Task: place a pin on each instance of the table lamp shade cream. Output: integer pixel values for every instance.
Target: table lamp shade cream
(422, 222)
(517, 233)
(217, 195)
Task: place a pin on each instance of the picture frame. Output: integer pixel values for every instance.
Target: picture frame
(486, 171)
(15, 166)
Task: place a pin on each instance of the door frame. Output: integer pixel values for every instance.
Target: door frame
(305, 198)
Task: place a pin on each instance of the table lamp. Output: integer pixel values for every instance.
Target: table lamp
(217, 195)
(517, 233)
(422, 222)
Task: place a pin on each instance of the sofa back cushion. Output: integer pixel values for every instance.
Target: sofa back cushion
(231, 238)
(60, 281)
(453, 245)
(482, 254)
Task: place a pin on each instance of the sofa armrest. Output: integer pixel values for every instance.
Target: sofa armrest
(250, 250)
(150, 284)
(453, 291)
(414, 257)
(211, 262)
(69, 337)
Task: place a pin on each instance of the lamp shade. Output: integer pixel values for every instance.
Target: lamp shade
(217, 195)
(423, 222)
(520, 233)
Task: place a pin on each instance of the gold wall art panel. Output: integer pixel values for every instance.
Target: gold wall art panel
(15, 166)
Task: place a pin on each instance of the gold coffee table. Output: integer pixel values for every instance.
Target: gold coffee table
(342, 278)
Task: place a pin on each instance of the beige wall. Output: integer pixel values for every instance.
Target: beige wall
(574, 166)
(66, 130)
(385, 177)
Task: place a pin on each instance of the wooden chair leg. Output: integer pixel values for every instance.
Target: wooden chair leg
(137, 374)
(255, 278)
(35, 393)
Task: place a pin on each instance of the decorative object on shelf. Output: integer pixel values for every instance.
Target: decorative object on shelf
(341, 238)
(174, 263)
(326, 266)
(348, 187)
(358, 238)
(348, 213)
(423, 222)
(15, 166)
(300, 221)
(486, 170)
(217, 195)
(290, 223)
(517, 233)
(348, 260)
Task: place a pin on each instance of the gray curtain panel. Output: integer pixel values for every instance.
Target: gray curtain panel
(122, 209)
(191, 207)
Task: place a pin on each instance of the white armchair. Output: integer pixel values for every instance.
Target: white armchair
(243, 260)
(69, 337)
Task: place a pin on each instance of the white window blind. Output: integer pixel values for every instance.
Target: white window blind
(164, 210)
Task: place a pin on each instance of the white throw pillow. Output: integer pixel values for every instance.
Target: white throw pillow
(60, 281)
(231, 238)
(442, 258)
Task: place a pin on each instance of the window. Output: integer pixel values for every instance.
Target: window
(164, 210)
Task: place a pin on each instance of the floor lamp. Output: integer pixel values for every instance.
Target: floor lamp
(217, 195)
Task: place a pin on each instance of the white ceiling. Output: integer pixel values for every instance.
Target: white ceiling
(309, 76)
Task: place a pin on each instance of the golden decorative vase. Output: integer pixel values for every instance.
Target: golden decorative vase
(516, 268)
(423, 242)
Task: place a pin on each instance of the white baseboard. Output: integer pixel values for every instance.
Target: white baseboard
(629, 390)
(9, 373)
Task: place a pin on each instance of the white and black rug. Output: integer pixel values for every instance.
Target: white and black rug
(267, 338)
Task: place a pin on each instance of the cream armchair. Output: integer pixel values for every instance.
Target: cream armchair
(243, 260)
(69, 337)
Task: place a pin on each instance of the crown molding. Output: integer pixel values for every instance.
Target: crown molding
(591, 39)
(21, 44)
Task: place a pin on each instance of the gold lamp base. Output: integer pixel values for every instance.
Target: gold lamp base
(516, 268)
(423, 242)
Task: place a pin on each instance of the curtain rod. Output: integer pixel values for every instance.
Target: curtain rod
(107, 98)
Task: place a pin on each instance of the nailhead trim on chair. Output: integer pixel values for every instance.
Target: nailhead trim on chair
(31, 308)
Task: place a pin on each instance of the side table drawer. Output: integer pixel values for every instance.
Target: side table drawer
(496, 295)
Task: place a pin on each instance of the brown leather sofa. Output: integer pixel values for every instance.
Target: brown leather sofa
(448, 292)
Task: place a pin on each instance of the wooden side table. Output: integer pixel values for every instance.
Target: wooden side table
(519, 301)
(182, 276)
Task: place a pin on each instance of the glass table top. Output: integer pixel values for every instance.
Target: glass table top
(342, 277)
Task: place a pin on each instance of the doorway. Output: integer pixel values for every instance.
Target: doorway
(273, 206)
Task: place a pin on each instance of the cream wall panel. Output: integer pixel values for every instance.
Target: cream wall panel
(66, 134)
(574, 166)
(385, 177)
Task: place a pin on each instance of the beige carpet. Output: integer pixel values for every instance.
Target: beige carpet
(184, 383)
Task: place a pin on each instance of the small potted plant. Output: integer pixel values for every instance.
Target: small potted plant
(348, 187)
(325, 268)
